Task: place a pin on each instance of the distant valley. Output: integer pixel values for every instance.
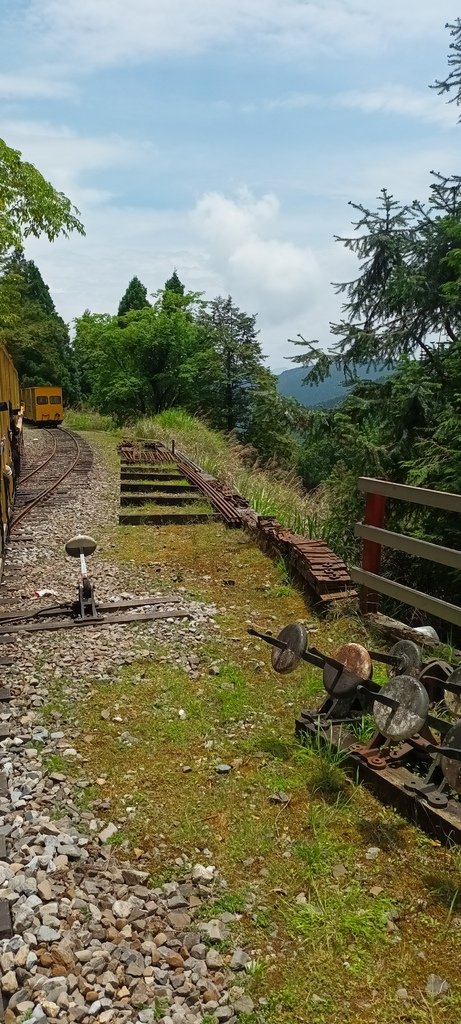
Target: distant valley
(329, 393)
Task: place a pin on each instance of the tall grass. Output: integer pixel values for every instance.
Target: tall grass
(89, 419)
(269, 490)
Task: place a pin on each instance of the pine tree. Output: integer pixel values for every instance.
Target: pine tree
(237, 365)
(37, 290)
(135, 297)
(33, 331)
(452, 83)
(174, 284)
(407, 291)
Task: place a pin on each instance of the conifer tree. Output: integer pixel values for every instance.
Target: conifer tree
(33, 331)
(135, 297)
(174, 284)
(235, 371)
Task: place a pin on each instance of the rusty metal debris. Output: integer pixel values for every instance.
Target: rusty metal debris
(413, 758)
(323, 573)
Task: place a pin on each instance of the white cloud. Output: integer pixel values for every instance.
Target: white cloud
(397, 100)
(263, 271)
(30, 87)
(65, 157)
(393, 99)
(101, 32)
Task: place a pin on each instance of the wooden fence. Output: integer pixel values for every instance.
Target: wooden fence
(374, 536)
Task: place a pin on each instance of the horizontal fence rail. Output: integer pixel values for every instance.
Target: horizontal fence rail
(431, 605)
(375, 537)
(419, 495)
(411, 545)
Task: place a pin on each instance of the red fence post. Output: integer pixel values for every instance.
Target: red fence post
(375, 510)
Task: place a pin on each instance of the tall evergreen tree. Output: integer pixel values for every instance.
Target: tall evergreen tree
(238, 361)
(174, 284)
(135, 297)
(452, 83)
(33, 331)
(408, 288)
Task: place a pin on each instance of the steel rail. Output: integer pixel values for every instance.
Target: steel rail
(221, 503)
(51, 487)
(22, 479)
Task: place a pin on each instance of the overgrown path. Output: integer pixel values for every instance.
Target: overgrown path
(345, 909)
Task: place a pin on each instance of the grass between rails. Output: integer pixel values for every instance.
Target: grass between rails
(316, 915)
(148, 507)
(271, 491)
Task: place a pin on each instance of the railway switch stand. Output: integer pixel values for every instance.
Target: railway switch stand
(82, 547)
(86, 611)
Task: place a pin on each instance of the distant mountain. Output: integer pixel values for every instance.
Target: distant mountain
(330, 392)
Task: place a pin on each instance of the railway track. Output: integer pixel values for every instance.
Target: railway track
(145, 467)
(65, 454)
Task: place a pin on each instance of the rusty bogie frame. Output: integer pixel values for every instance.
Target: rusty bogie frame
(413, 759)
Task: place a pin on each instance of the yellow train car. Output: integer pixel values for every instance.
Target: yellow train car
(43, 406)
(10, 441)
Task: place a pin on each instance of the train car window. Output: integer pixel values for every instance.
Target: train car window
(42, 400)
(55, 400)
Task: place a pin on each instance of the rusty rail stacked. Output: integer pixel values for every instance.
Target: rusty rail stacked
(323, 572)
(313, 561)
(223, 504)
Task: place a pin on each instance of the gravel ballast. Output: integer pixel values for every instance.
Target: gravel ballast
(91, 939)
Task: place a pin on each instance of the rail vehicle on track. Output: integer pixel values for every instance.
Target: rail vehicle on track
(10, 440)
(43, 406)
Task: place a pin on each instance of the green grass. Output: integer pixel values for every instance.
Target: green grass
(320, 941)
(345, 922)
(150, 507)
(90, 419)
(230, 902)
(270, 492)
(56, 763)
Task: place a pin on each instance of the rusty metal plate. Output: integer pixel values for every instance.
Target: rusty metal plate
(355, 659)
(409, 716)
(451, 768)
(409, 656)
(452, 700)
(295, 637)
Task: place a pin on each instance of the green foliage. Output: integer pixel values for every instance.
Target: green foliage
(135, 297)
(270, 422)
(29, 205)
(234, 371)
(88, 419)
(403, 310)
(452, 83)
(184, 352)
(33, 331)
(174, 284)
(142, 365)
(407, 290)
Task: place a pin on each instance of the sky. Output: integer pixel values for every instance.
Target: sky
(224, 138)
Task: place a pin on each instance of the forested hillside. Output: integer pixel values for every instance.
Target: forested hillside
(328, 392)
